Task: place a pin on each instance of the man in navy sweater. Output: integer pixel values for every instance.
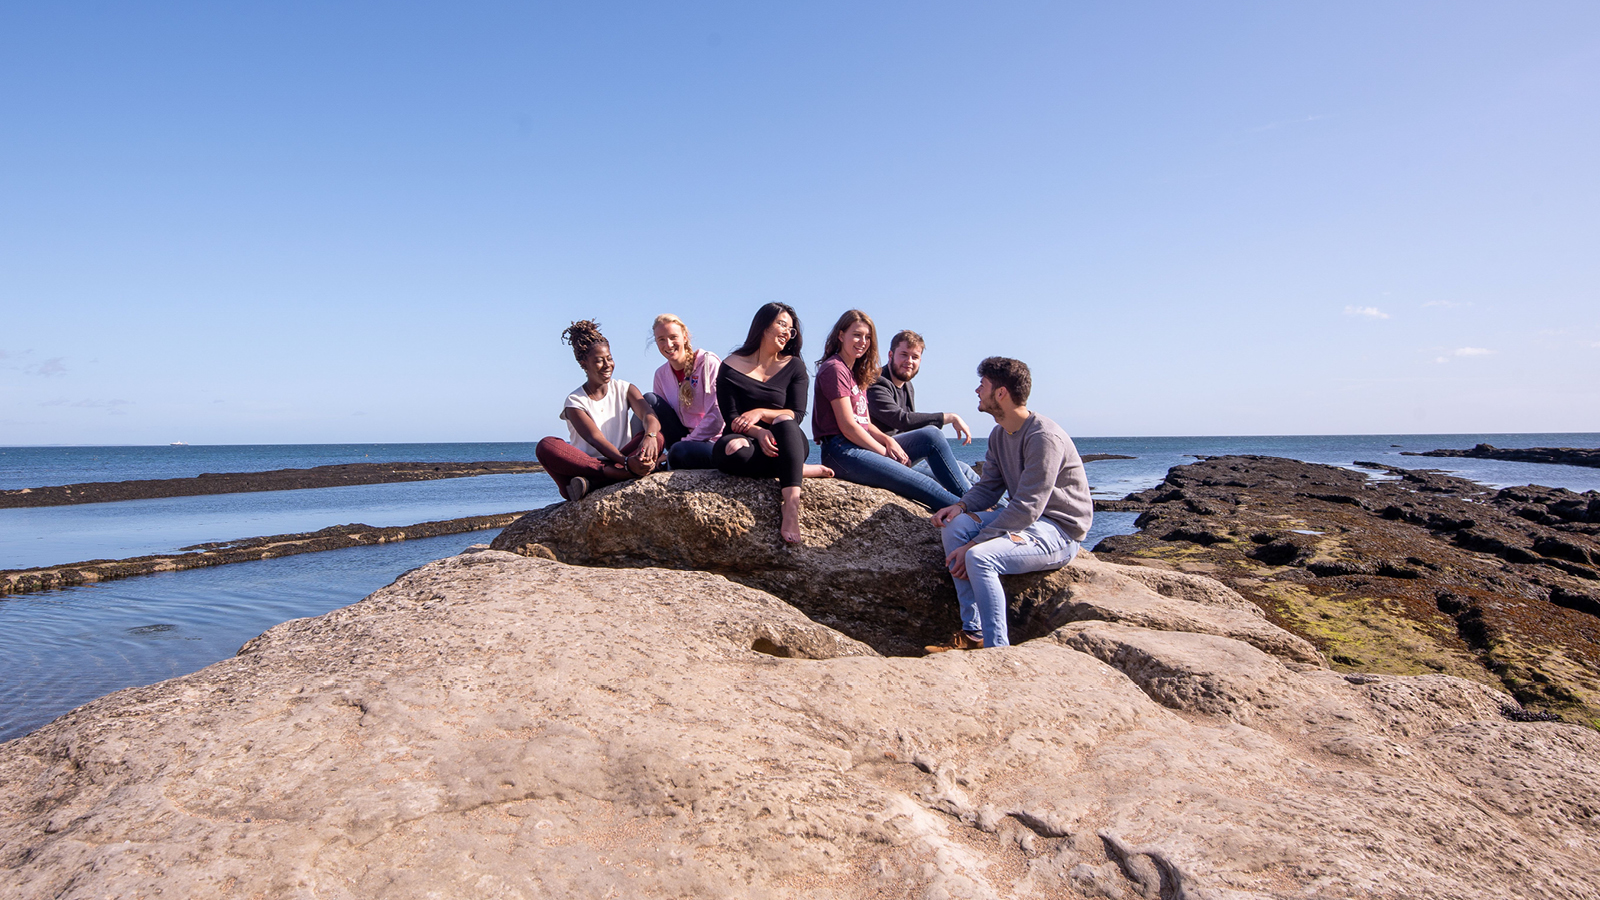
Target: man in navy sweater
(1035, 462)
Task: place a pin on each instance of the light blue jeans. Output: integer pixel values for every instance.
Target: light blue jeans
(1041, 545)
(863, 466)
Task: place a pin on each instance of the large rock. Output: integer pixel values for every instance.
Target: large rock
(493, 725)
(872, 566)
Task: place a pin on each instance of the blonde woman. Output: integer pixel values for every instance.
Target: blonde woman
(685, 396)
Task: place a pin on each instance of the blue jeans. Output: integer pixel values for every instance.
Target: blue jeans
(1041, 545)
(873, 469)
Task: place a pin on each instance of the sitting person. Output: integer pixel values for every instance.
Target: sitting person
(685, 396)
(892, 404)
(761, 392)
(856, 449)
(1050, 511)
(601, 450)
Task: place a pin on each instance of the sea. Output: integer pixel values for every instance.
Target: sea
(60, 649)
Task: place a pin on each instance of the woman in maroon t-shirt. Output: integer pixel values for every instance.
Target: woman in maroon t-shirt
(852, 446)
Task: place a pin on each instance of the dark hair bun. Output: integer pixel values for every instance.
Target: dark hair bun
(583, 335)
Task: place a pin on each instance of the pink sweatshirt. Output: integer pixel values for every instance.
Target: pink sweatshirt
(701, 416)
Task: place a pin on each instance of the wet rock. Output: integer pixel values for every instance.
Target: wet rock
(1563, 456)
(1419, 572)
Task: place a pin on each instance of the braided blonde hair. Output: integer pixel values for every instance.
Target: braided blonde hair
(685, 389)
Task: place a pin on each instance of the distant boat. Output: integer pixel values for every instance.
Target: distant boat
(177, 444)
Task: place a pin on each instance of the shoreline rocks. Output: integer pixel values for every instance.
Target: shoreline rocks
(335, 537)
(340, 475)
(497, 725)
(1561, 456)
(1413, 572)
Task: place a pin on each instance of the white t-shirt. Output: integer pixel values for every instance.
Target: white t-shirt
(610, 414)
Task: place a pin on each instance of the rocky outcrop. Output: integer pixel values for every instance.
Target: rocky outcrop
(1413, 572)
(341, 475)
(871, 566)
(335, 537)
(1561, 456)
(493, 725)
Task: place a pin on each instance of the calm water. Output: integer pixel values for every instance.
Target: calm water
(61, 534)
(62, 648)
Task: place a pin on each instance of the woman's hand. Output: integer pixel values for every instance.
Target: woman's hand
(743, 422)
(891, 449)
(766, 441)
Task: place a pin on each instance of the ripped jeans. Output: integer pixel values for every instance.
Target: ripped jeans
(1042, 545)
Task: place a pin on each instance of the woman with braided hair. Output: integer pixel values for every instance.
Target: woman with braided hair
(685, 396)
(602, 450)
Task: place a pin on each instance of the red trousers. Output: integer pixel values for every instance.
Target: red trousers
(565, 462)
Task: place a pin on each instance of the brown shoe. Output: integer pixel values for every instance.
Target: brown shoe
(961, 640)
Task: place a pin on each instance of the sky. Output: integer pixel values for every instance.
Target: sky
(343, 222)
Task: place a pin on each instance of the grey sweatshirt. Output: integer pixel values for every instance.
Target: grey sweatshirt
(1040, 468)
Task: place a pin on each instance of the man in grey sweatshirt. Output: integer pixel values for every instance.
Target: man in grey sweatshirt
(1031, 459)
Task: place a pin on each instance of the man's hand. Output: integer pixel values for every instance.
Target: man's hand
(891, 449)
(766, 441)
(956, 560)
(962, 431)
(947, 515)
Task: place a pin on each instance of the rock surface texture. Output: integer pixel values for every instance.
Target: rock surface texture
(1417, 572)
(494, 725)
(871, 566)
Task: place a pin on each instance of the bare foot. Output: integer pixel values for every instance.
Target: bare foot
(790, 529)
(815, 471)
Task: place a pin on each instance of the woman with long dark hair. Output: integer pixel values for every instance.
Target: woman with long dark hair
(858, 450)
(602, 449)
(762, 390)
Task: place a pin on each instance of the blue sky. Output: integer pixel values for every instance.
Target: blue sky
(296, 222)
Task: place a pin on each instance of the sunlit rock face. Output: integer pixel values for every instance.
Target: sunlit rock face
(505, 726)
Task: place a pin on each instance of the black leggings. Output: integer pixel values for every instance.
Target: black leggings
(748, 461)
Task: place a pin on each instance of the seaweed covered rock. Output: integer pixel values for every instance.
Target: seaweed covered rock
(1407, 572)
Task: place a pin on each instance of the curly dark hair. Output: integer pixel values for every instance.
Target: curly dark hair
(1011, 374)
(583, 335)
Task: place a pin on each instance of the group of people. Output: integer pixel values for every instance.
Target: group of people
(1028, 511)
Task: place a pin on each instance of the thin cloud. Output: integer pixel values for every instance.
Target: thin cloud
(1446, 304)
(88, 404)
(1441, 359)
(1285, 122)
(4, 354)
(1474, 351)
(56, 365)
(1371, 312)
